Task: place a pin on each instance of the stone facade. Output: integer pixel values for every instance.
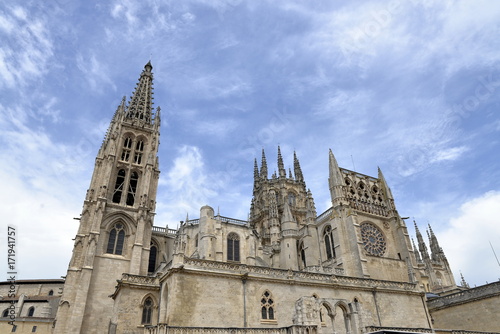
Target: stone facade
(475, 309)
(30, 304)
(287, 269)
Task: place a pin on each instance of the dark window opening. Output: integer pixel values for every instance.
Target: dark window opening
(127, 145)
(33, 330)
(329, 245)
(139, 148)
(147, 309)
(233, 247)
(132, 187)
(152, 259)
(120, 180)
(51, 292)
(31, 311)
(303, 255)
(116, 240)
(267, 306)
(5, 313)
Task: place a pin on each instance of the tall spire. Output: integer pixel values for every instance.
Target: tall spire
(384, 185)
(141, 103)
(263, 168)
(417, 253)
(281, 165)
(296, 168)
(255, 175)
(436, 251)
(335, 179)
(421, 244)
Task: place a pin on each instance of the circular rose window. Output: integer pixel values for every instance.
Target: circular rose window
(373, 239)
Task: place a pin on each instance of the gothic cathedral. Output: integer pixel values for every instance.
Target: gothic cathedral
(288, 269)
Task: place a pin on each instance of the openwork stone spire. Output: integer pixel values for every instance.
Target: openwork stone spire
(141, 103)
(281, 165)
(421, 244)
(296, 168)
(263, 168)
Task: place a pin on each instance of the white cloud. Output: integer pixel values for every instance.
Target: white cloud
(186, 186)
(95, 72)
(27, 48)
(449, 154)
(466, 239)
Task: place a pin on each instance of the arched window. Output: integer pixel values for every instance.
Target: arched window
(132, 187)
(153, 250)
(139, 148)
(291, 199)
(147, 311)
(120, 181)
(116, 240)
(329, 245)
(31, 311)
(233, 247)
(303, 254)
(51, 292)
(127, 146)
(267, 306)
(5, 313)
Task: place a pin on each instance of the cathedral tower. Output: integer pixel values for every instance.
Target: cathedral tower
(281, 211)
(371, 238)
(117, 217)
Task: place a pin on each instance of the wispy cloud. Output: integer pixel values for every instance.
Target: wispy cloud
(27, 48)
(468, 236)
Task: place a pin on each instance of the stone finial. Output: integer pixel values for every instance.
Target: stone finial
(281, 165)
(263, 168)
(296, 168)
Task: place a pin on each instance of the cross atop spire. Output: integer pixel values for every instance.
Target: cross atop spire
(141, 102)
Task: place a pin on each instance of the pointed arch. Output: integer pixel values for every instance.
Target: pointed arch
(147, 311)
(302, 253)
(139, 149)
(132, 187)
(5, 313)
(153, 254)
(126, 147)
(342, 318)
(326, 315)
(329, 242)
(31, 311)
(268, 311)
(116, 239)
(233, 247)
(119, 186)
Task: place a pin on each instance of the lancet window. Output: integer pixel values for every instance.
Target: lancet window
(31, 311)
(116, 239)
(233, 247)
(119, 184)
(329, 245)
(139, 148)
(147, 311)
(127, 147)
(267, 306)
(153, 250)
(132, 187)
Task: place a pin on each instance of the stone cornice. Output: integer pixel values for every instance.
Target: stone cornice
(481, 292)
(235, 270)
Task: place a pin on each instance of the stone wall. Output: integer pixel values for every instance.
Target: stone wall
(474, 309)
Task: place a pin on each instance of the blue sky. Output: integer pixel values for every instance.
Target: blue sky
(410, 86)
